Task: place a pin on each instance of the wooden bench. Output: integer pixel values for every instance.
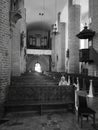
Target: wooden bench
(45, 96)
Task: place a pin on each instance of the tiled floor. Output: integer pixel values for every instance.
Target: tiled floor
(48, 121)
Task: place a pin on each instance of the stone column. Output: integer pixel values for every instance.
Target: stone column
(93, 15)
(60, 46)
(53, 64)
(23, 40)
(73, 41)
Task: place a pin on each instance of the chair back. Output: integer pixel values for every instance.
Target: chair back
(82, 102)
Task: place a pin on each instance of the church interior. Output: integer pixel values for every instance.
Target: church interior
(48, 65)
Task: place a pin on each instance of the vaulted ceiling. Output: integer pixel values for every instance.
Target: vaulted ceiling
(49, 8)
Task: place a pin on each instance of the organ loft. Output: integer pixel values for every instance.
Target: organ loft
(41, 41)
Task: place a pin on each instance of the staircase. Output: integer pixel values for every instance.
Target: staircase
(24, 91)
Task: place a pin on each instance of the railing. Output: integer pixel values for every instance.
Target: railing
(84, 80)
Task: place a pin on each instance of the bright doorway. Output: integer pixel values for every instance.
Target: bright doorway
(38, 68)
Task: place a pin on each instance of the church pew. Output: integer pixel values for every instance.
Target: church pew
(46, 97)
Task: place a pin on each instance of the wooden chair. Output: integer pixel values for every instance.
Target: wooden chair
(84, 110)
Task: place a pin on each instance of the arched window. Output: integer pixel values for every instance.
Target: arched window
(38, 67)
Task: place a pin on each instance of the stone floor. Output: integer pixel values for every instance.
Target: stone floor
(50, 121)
(61, 120)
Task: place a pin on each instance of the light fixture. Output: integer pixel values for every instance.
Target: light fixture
(54, 29)
(41, 14)
(54, 26)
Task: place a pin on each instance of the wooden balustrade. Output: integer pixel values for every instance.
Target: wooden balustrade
(84, 80)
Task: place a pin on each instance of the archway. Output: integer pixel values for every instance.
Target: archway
(38, 67)
(43, 60)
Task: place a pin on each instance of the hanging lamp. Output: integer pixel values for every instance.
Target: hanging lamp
(54, 26)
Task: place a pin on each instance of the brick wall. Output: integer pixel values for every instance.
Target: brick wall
(4, 50)
(10, 58)
(16, 50)
(18, 57)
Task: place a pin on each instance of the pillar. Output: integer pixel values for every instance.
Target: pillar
(73, 41)
(23, 38)
(60, 46)
(53, 64)
(93, 15)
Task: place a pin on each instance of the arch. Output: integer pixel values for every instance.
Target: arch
(43, 60)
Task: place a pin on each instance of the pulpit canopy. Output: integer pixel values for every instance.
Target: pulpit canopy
(86, 33)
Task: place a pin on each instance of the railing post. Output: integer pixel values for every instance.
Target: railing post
(76, 93)
(90, 89)
(68, 80)
(77, 84)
